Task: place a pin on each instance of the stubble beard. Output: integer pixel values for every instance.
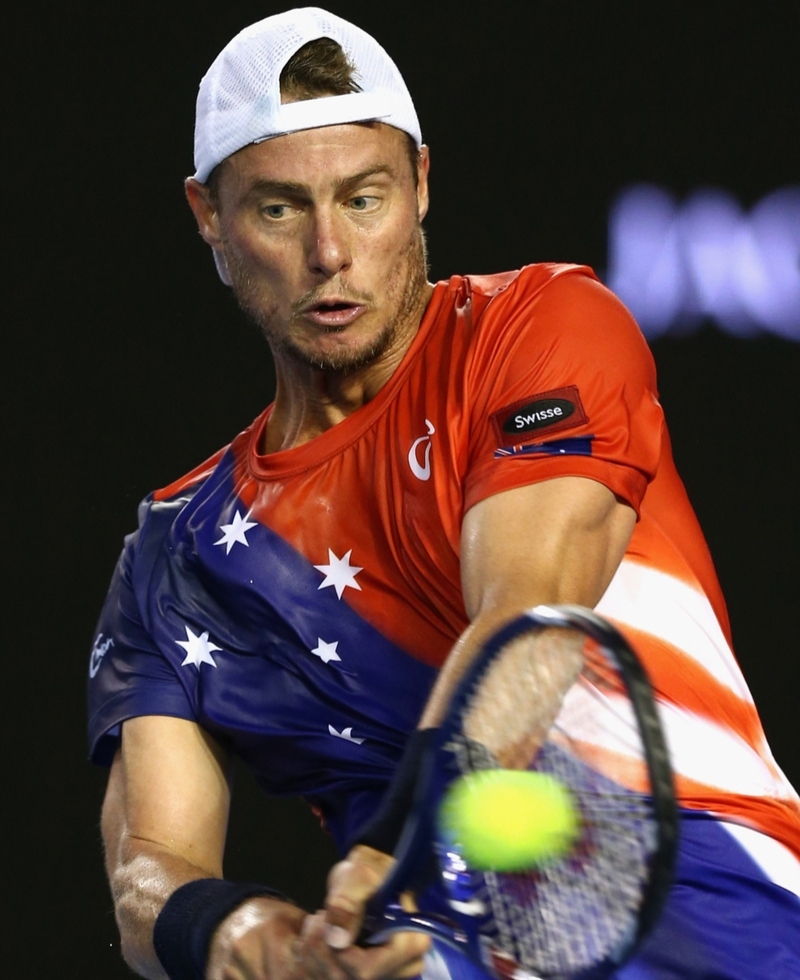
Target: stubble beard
(409, 287)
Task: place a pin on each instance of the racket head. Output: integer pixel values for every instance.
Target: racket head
(581, 915)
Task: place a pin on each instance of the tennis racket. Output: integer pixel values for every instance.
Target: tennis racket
(583, 914)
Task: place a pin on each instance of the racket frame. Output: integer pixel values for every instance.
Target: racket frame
(416, 864)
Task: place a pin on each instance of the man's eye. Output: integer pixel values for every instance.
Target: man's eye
(362, 203)
(275, 210)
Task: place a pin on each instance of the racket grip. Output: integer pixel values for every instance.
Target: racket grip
(374, 917)
(382, 831)
(384, 913)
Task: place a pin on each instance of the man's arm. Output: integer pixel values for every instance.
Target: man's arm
(559, 541)
(164, 821)
(164, 824)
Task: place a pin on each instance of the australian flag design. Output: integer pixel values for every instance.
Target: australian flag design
(217, 619)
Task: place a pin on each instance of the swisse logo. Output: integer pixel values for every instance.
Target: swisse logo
(559, 408)
(538, 415)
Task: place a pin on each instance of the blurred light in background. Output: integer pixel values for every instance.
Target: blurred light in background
(676, 264)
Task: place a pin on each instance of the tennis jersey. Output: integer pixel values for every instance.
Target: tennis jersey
(298, 605)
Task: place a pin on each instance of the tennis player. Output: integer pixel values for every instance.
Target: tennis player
(436, 458)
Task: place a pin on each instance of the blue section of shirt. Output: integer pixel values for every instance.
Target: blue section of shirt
(224, 632)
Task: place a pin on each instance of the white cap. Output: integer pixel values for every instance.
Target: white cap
(239, 101)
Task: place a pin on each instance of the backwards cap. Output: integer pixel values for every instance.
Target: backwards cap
(239, 101)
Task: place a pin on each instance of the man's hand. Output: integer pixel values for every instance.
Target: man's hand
(332, 934)
(350, 883)
(266, 939)
(258, 941)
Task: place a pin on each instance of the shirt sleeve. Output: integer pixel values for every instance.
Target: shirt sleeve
(561, 383)
(128, 675)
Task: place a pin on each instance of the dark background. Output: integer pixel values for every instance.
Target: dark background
(126, 362)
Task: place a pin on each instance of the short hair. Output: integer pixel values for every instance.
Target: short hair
(317, 69)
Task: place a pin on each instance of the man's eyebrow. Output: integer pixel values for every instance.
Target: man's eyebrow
(288, 187)
(380, 170)
(291, 188)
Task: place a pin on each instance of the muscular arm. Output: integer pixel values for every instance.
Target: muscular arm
(164, 822)
(559, 541)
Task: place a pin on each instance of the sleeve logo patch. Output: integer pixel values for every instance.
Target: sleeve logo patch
(551, 410)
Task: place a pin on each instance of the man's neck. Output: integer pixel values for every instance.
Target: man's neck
(309, 400)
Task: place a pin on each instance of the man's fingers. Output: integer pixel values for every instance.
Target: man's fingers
(339, 937)
(350, 884)
(400, 956)
(315, 957)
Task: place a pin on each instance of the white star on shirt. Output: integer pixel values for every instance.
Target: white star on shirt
(198, 649)
(339, 573)
(235, 532)
(346, 734)
(326, 651)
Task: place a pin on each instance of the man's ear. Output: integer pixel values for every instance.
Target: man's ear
(423, 169)
(205, 211)
(207, 217)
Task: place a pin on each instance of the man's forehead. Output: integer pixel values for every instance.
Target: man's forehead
(321, 157)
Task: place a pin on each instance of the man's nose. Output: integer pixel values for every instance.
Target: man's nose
(330, 251)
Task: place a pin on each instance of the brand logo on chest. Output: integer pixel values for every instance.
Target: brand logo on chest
(419, 456)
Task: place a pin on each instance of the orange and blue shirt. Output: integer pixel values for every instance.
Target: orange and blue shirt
(298, 605)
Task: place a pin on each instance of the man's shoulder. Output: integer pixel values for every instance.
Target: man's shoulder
(488, 305)
(190, 481)
(193, 479)
(486, 300)
(569, 303)
(528, 279)
(168, 511)
(160, 510)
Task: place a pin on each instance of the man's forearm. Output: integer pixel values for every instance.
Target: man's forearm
(140, 887)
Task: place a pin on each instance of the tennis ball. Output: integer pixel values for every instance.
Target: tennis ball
(509, 820)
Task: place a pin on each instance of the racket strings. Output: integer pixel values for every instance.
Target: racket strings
(571, 913)
(502, 714)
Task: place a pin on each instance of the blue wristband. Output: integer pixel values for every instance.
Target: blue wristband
(185, 925)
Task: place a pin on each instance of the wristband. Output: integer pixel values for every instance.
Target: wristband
(382, 831)
(185, 925)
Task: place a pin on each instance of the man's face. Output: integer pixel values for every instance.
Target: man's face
(321, 234)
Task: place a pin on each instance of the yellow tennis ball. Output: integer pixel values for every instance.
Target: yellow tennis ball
(509, 820)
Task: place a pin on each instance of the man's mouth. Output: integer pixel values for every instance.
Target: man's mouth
(333, 313)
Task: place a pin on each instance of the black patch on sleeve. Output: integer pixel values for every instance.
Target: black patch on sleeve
(553, 410)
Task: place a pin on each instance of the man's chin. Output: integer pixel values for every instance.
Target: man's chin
(334, 354)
